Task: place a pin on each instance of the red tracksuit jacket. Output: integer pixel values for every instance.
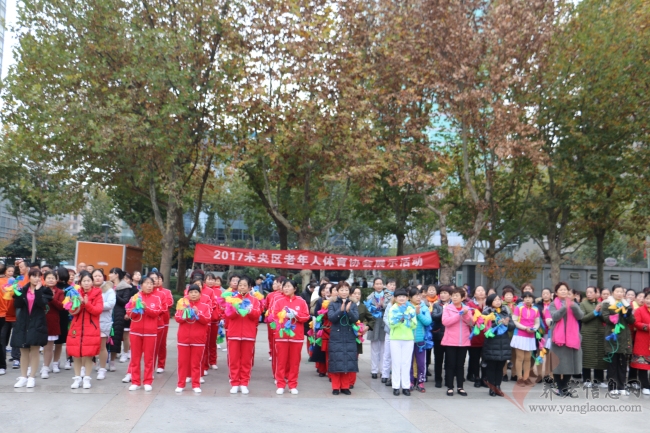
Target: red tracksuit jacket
(167, 301)
(213, 292)
(193, 333)
(243, 327)
(299, 306)
(147, 324)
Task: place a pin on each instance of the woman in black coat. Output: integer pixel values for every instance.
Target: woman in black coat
(30, 331)
(496, 348)
(63, 277)
(123, 293)
(342, 349)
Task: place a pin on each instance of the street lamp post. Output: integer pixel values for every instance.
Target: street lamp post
(106, 226)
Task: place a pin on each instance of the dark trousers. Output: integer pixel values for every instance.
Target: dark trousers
(494, 372)
(438, 359)
(633, 374)
(474, 367)
(643, 378)
(617, 371)
(599, 375)
(455, 365)
(428, 358)
(3, 348)
(5, 336)
(562, 381)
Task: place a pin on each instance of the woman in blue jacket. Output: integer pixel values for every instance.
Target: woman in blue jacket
(422, 339)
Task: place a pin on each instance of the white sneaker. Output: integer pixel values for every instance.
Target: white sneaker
(588, 384)
(279, 391)
(128, 354)
(160, 370)
(202, 380)
(31, 382)
(205, 372)
(624, 392)
(294, 391)
(244, 390)
(215, 367)
(188, 379)
(123, 358)
(83, 371)
(234, 390)
(134, 387)
(148, 387)
(179, 389)
(45, 373)
(111, 366)
(21, 382)
(86, 384)
(55, 367)
(270, 358)
(225, 349)
(76, 382)
(646, 391)
(218, 346)
(67, 366)
(614, 392)
(602, 385)
(197, 390)
(2, 371)
(101, 374)
(127, 378)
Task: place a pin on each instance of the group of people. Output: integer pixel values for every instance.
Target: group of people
(554, 338)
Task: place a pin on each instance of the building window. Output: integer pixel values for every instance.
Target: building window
(614, 277)
(574, 276)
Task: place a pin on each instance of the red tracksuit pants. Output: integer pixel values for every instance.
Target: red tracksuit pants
(162, 346)
(212, 343)
(142, 346)
(341, 380)
(240, 361)
(287, 367)
(189, 364)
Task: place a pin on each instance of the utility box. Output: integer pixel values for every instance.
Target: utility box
(108, 256)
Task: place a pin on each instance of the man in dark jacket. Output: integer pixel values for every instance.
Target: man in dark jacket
(438, 331)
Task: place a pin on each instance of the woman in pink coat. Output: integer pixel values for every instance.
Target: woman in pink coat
(457, 319)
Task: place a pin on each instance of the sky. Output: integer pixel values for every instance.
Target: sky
(10, 40)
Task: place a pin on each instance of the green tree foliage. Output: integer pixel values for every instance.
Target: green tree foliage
(98, 211)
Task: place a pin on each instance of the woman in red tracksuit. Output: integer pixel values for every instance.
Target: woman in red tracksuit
(270, 298)
(143, 334)
(242, 319)
(192, 335)
(167, 301)
(210, 290)
(84, 338)
(288, 313)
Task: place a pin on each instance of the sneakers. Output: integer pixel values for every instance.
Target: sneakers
(16, 364)
(123, 358)
(234, 390)
(127, 378)
(160, 370)
(202, 380)
(244, 390)
(76, 381)
(614, 392)
(111, 366)
(646, 391)
(134, 387)
(225, 349)
(128, 354)
(214, 367)
(280, 391)
(55, 367)
(270, 358)
(218, 346)
(205, 372)
(101, 374)
(148, 387)
(68, 365)
(420, 388)
(31, 382)
(588, 384)
(188, 379)
(294, 391)
(178, 389)
(602, 385)
(2, 371)
(624, 392)
(45, 373)
(197, 390)
(86, 384)
(21, 382)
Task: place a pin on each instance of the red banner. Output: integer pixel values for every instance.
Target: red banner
(301, 259)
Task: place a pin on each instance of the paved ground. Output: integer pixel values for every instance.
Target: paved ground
(109, 407)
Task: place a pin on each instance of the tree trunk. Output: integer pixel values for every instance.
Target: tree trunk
(183, 245)
(33, 247)
(167, 255)
(304, 244)
(600, 257)
(400, 243)
(446, 273)
(283, 234)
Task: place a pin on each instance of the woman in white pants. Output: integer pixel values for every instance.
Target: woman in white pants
(402, 322)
